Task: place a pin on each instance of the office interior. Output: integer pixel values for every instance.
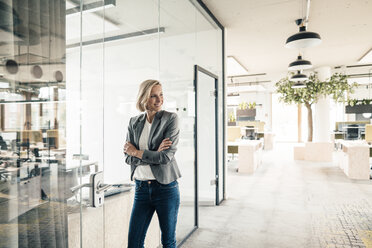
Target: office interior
(70, 72)
(69, 76)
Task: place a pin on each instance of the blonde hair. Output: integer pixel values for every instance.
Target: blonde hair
(144, 93)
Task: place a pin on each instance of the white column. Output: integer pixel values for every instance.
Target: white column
(322, 130)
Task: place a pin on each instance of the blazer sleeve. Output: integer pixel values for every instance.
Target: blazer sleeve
(131, 160)
(172, 131)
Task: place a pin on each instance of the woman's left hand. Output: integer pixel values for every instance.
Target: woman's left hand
(130, 149)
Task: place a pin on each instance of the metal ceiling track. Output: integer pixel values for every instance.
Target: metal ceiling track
(249, 83)
(247, 75)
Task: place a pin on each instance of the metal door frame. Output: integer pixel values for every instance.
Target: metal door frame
(199, 69)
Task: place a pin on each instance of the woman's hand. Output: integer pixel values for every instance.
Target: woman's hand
(130, 149)
(165, 144)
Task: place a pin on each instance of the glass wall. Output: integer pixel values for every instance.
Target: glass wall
(69, 77)
(33, 175)
(177, 57)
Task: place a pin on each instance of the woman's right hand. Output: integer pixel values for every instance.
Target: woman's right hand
(165, 144)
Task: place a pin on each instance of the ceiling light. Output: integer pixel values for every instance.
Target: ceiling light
(149, 32)
(91, 7)
(366, 58)
(300, 64)
(298, 77)
(234, 67)
(11, 66)
(367, 115)
(298, 85)
(303, 39)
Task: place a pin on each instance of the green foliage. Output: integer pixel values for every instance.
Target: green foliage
(337, 87)
(252, 105)
(354, 102)
(366, 101)
(243, 105)
(232, 117)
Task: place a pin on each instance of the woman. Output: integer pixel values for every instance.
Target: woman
(150, 148)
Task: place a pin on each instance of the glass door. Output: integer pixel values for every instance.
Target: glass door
(206, 85)
(51, 115)
(85, 26)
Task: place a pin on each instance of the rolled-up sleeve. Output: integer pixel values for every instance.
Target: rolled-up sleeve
(131, 160)
(172, 132)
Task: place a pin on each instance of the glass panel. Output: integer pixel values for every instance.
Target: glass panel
(131, 55)
(34, 182)
(177, 57)
(209, 56)
(130, 58)
(84, 90)
(206, 139)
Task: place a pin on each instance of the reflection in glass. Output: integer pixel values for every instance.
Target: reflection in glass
(33, 178)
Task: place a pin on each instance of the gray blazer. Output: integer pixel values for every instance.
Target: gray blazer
(163, 164)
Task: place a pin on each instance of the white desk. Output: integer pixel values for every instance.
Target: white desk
(353, 159)
(249, 155)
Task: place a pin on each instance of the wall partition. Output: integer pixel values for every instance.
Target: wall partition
(69, 76)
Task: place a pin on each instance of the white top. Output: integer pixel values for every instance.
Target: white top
(143, 172)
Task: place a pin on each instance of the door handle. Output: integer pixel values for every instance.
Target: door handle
(97, 189)
(80, 157)
(103, 187)
(75, 188)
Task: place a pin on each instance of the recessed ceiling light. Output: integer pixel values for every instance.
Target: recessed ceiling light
(366, 58)
(234, 67)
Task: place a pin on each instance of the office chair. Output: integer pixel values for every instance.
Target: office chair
(353, 132)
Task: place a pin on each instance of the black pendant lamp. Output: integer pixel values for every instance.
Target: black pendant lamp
(303, 39)
(300, 64)
(298, 85)
(299, 79)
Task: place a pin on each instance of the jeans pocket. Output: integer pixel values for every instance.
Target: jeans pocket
(171, 185)
(138, 186)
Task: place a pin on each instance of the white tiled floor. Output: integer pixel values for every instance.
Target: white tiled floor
(289, 203)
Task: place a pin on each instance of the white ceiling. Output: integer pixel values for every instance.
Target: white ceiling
(256, 31)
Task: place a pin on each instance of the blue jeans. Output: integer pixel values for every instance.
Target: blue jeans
(152, 196)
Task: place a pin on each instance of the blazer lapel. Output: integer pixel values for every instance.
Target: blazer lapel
(154, 126)
(140, 123)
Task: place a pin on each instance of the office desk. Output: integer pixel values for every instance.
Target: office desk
(337, 135)
(353, 159)
(249, 155)
(268, 138)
